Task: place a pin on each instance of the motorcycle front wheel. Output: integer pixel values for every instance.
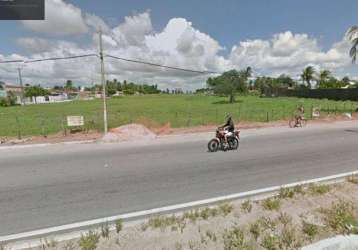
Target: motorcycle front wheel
(213, 145)
(233, 143)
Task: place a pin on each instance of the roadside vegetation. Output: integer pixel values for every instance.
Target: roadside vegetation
(159, 110)
(306, 214)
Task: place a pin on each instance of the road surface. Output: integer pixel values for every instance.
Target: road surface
(49, 186)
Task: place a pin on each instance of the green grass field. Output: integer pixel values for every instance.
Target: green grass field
(156, 110)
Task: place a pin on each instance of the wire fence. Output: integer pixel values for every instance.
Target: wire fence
(22, 124)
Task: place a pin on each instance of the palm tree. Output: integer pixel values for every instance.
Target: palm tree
(308, 75)
(352, 35)
(323, 76)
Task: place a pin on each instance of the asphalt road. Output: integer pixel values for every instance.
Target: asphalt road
(55, 185)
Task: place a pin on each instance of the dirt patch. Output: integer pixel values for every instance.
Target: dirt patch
(127, 133)
(303, 216)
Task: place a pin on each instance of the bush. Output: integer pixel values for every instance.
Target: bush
(309, 229)
(271, 204)
(89, 241)
(340, 217)
(119, 225)
(234, 239)
(246, 206)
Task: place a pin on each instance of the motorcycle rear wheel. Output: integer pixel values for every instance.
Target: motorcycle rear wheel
(213, 145)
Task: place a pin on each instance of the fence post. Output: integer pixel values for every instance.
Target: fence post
(63, 120)
(267, 116)
(43, 126)
(335, 111)
(18, 128)
(311, 112)
(216, 116)
(189, 119)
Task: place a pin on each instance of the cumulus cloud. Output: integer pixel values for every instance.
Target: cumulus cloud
(178, 44)
(288, 53)
(61, 18)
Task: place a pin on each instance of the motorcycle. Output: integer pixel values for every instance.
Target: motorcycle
(219, 141)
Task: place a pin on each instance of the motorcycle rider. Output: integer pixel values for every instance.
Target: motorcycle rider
(229, 128)
(299, 114)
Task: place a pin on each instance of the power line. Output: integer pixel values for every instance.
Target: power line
(161, 66)
(13, 61)
(113, 57)
(59, 58)
(48, 59)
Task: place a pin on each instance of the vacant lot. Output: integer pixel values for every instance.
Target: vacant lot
(158, 110)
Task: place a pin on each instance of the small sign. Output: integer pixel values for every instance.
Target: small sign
(73, 121)
(316, 112)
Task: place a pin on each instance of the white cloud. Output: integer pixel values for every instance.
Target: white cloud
(288, 53)
(133, 30)
(179, 44)
(61, 18)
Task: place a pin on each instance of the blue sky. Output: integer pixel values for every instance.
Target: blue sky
(228, 22)
(311, 29)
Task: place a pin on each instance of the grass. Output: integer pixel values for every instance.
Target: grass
(353, 179)
(271, 204)
(157, 110)
(89, 241)
(246, 206)
(340, 217)
(311, 230)
(119, 225)
(234, 238)
(318, 189)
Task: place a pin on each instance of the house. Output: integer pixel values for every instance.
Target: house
(2, 90)
(7, 89)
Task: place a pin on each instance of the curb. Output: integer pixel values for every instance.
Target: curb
(140, 215)
(45, 144)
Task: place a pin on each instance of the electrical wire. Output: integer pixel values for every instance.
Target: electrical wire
(161, 66)
(59, 58)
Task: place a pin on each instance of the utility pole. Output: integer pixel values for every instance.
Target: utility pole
(22, 86)
(103, 83)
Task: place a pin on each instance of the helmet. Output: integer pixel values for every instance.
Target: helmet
(228, 116)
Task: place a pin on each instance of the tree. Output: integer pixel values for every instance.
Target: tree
(308, 75)
(323, 77)
(69, 86)
(352, 35)
(229, 83)
(111, 87)
(34, 91)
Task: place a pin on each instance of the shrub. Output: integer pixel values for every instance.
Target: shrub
(340, 217)
(286, 193)
(270, 242)
(105, 231)
(246, 206)
(309, 229)
(234, 239)
(289, 238)
(255, 230)
(285, 219)
(353, 179)
(89, 241)
(226, 208)
(318, 189)
(271, 204)
(119, 225)
(267, 223)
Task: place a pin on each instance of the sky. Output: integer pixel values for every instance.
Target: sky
(272, 36)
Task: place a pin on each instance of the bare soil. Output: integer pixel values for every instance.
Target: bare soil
(284, 225)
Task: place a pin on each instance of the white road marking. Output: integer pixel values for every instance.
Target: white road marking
(150, 212)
